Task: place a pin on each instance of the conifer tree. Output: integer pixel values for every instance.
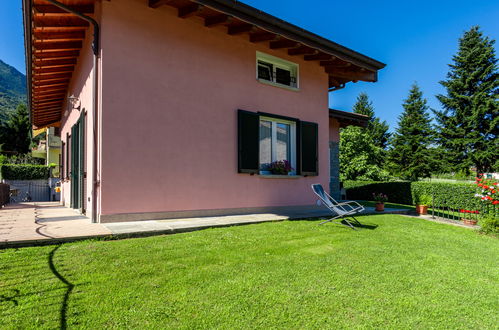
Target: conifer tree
(376, 128)
(410, 156)
(468, 125)
(15, 133)
(362, 149)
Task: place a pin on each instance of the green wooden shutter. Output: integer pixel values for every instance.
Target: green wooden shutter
(309, 148)
(81, 160)
(248, 141)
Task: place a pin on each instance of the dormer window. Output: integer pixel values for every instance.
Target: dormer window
(276, 71)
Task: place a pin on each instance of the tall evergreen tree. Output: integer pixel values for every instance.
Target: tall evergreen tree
(15, 133)
(468, 125)
(362, 149)
(410, 156)
(376, 128)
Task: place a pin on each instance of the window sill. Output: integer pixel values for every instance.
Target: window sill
(277, 176)
(271, 83)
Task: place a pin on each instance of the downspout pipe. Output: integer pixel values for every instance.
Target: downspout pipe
(95, 49)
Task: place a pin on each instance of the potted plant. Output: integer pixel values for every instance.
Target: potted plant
(280, 167)
(467, 219)
(380, 199)
(422, 203)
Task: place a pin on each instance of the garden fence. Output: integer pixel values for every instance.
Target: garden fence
(439, 208)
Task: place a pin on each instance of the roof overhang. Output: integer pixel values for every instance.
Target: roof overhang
(53, 40)
(349, 118)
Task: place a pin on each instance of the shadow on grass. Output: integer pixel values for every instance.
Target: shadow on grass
(69, 288)
(342, 223)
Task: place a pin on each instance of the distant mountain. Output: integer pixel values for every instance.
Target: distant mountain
(12, 89)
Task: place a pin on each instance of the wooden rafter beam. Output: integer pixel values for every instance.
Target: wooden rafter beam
(351, 74)
(217, 20)
(318, 57)
(57, 53)
(65, 75)
(189, 10)
(47, 104)
(52, 86)
(158, 3)
(240, 28)
(59, 21)
(55, 62)
(283, 43)
(53, 45)
(51, 9)
(50, 81)
(65, 35)
(60, 69)
(51, 89)
(41, 93)
(48, 111)
(302, 50)
(262, 36)
(335, 64)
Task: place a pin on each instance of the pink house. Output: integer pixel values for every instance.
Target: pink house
(176, 108)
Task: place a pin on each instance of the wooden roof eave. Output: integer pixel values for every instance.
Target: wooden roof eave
(53, 40)
(240, 18)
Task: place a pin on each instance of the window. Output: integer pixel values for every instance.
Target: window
(276, 71)
(263, 138)
(277, 142)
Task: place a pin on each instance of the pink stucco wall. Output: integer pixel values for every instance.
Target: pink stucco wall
(170, 91)
(81, 86)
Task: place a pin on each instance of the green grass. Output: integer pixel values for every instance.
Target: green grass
(388, 205)
(401, 273)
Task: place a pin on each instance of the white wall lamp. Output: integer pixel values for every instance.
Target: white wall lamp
(75, 102)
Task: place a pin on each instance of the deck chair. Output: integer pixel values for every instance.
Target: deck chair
(340, 210)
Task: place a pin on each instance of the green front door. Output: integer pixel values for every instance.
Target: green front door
(77, 164)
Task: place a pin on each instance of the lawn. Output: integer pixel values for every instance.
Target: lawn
(402, 272)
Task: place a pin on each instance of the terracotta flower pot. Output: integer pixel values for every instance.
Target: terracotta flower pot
(422, 209)
(469, 222)
(380, 207)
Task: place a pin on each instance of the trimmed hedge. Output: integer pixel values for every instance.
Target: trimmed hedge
(24, 172)
(451, 195)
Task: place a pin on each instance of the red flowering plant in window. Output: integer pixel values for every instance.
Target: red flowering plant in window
(488, 190)
(280, 167)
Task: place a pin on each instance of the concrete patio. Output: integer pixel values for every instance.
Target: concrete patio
(39, 223)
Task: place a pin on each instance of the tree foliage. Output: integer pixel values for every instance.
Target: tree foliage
(362, 149)
(15, 133)
(410, 156)
(468, 125)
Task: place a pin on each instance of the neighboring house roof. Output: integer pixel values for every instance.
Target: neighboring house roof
(54, 37)
(349, 118)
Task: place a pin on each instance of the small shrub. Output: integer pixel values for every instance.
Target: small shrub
(489, 225)
(24, 172)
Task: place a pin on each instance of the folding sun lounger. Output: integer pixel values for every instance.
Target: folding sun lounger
(340, 210)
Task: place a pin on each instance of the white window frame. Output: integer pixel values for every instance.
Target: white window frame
(277, 62)
(292, 146)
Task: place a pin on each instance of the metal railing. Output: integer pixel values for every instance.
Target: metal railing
(441, 210)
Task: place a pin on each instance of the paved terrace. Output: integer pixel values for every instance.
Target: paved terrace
(48, 222)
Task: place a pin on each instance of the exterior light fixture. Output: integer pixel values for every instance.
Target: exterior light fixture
(75, 102)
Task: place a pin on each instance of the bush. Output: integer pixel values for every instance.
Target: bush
(24, 172)
(489, 225)
(451, 195)
(398, 192)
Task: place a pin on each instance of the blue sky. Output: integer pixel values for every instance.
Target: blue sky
(415, 39)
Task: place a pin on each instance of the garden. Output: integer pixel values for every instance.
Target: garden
(397, 272)
(465, 202)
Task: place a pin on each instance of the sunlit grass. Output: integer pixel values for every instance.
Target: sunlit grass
(401, 273)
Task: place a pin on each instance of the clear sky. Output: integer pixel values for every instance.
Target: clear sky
(416, 39)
